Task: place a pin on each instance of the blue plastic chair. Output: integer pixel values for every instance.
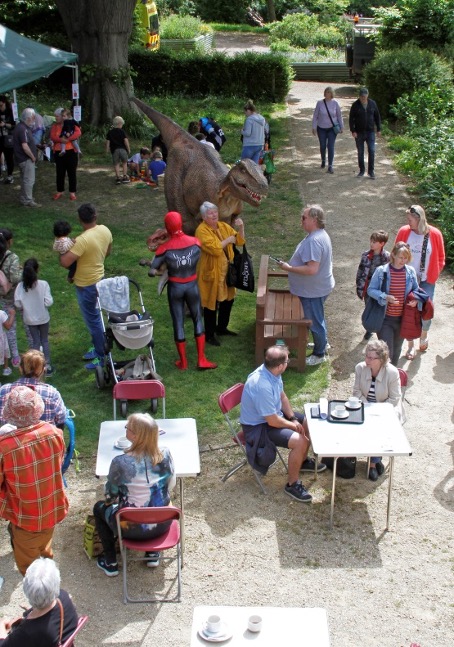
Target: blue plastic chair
(69, 424)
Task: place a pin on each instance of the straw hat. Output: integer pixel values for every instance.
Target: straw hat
(23, 407)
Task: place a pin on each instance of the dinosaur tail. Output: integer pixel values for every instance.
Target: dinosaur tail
(168, 128)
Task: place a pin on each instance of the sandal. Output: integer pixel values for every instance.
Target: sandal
(411, 353)
(424, 343)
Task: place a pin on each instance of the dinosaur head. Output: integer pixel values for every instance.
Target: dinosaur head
(246, 182)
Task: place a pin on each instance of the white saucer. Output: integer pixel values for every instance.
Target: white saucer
(117, 446)
(224, 634)
(341, 416)
(349, 406)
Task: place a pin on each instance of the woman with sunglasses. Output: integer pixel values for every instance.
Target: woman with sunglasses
(428, 259)
(141, 477)
(390, 285)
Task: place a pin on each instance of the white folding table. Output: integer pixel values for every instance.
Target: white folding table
(281, 626)
(381, 434)
(180, 436)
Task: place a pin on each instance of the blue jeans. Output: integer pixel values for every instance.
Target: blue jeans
(87, 298)
(430, 289)
(251, 153)
(367, 137)
(314, 309)
(327, 136)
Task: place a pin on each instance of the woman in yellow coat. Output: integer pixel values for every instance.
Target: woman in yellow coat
(217, 239)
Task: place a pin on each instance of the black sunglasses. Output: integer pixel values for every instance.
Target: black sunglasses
(413, 210)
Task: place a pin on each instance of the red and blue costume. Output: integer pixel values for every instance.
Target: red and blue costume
(181, 254)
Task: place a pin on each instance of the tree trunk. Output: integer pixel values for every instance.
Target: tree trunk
(99, 31)
(271, 10)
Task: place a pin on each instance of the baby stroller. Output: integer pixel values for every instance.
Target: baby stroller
(125, 328)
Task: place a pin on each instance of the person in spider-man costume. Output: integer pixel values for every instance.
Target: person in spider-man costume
(181, 254)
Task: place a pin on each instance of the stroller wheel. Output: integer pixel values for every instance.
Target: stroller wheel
(100, 377)
(154, 405)
(124, 408)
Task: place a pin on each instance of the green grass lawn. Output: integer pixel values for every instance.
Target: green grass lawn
(132, 212)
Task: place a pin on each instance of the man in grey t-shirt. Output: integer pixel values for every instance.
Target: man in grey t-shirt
(310, 276)
(25, 154)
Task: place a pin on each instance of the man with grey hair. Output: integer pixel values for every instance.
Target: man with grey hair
(25, 153)
(364, 116)
(310, 276)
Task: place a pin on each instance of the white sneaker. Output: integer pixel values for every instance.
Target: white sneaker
(311, 344)
(7, 371)
(313, 360)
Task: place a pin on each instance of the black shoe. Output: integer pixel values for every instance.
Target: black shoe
(309, 466)
(330, 170)
(373, 474)
(227, 332)
(380, 468)
(360, 174)
(298, 491)
(111, 570)
(367, 336)
(322, 165)
(372, 175)
(214, 341)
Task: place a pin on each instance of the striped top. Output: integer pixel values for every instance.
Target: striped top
(371, 397)
(397, 284)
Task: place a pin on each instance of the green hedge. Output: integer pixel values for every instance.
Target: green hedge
(261, 76)
(402, 71)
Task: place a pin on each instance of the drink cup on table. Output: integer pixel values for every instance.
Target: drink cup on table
(353, 402)
(213, 624)
(339, 410)
(254, 623)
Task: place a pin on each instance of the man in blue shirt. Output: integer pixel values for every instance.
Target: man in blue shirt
(267, 417)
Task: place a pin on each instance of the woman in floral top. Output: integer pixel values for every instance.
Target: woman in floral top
(141, 477)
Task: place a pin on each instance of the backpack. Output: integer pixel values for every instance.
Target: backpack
(213, 132)
(5, 284)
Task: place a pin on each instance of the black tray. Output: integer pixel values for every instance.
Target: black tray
(355, 416)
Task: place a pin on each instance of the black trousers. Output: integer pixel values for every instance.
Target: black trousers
(66, 165)
(222, 315)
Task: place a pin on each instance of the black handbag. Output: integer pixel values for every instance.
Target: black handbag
(345, 466)
(240, 272)
(8, 141)
(374, 314)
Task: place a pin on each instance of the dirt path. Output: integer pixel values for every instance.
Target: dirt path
(379, 589)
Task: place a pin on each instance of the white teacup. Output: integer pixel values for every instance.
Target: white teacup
(353, 401)
(254, 623)
(339, 410)
(213, 624)
(123, 442)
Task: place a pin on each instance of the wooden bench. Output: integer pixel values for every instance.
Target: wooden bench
(279, 316)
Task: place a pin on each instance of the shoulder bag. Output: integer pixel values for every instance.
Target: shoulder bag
(374, 314)
(336, 126)
(240, 272)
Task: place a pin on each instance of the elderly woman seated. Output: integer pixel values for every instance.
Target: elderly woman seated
(52, 617)
(376, 380)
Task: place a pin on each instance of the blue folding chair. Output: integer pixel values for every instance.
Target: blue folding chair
(71, 446)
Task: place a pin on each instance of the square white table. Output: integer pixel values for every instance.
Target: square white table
(284, 626)
(180, 437)
(381, 434)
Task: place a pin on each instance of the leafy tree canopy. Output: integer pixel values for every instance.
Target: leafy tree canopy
(427, 23)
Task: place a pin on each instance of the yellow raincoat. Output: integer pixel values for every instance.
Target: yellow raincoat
(212, 267)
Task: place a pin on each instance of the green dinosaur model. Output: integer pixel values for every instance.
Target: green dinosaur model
(196, 173)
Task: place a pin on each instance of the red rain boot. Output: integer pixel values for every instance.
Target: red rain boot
(181, 363)
(202, 362)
